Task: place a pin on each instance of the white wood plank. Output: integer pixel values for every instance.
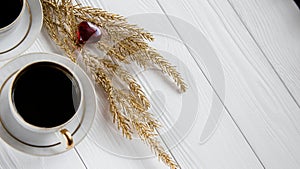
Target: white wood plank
(277, 34)
(225, 149)
(255, 96)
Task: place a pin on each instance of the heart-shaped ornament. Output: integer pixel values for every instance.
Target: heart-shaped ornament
(88, 33)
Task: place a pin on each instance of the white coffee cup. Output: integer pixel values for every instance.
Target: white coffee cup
(36, 136)
(6, 29)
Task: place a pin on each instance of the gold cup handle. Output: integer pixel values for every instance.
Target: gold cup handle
(67, 136)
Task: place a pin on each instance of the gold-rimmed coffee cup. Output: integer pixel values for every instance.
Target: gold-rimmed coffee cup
(30, 121)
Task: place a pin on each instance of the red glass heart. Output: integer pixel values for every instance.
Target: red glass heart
(88, 33)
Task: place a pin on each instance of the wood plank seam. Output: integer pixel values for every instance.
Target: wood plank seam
(263, 52)
(211, 85)
(256, 43)
(81, 159)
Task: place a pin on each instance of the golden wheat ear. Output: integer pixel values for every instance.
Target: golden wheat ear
(122, 43)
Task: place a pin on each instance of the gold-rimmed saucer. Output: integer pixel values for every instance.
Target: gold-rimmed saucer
(85, 122)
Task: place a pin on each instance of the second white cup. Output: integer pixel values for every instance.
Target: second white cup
(11, 16)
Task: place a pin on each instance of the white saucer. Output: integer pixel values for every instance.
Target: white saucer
(24, 34)
(10, 68)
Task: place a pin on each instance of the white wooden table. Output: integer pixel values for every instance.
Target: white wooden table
(247, 92)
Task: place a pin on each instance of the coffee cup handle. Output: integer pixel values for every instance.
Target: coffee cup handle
(67, 138)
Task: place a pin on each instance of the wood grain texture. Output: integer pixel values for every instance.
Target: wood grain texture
(258, 69)
(255, 96)
(277, 34)
(225, 149)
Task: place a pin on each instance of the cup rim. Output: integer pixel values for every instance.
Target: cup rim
(10, 25)
(32, 127)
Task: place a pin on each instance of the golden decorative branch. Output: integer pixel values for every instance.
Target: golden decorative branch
(121, 43)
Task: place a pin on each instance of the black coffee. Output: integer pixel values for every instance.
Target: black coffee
(10, 11)
(43, 94)
(297, 3)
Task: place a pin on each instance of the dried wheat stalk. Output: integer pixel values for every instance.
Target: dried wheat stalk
(122, 43)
